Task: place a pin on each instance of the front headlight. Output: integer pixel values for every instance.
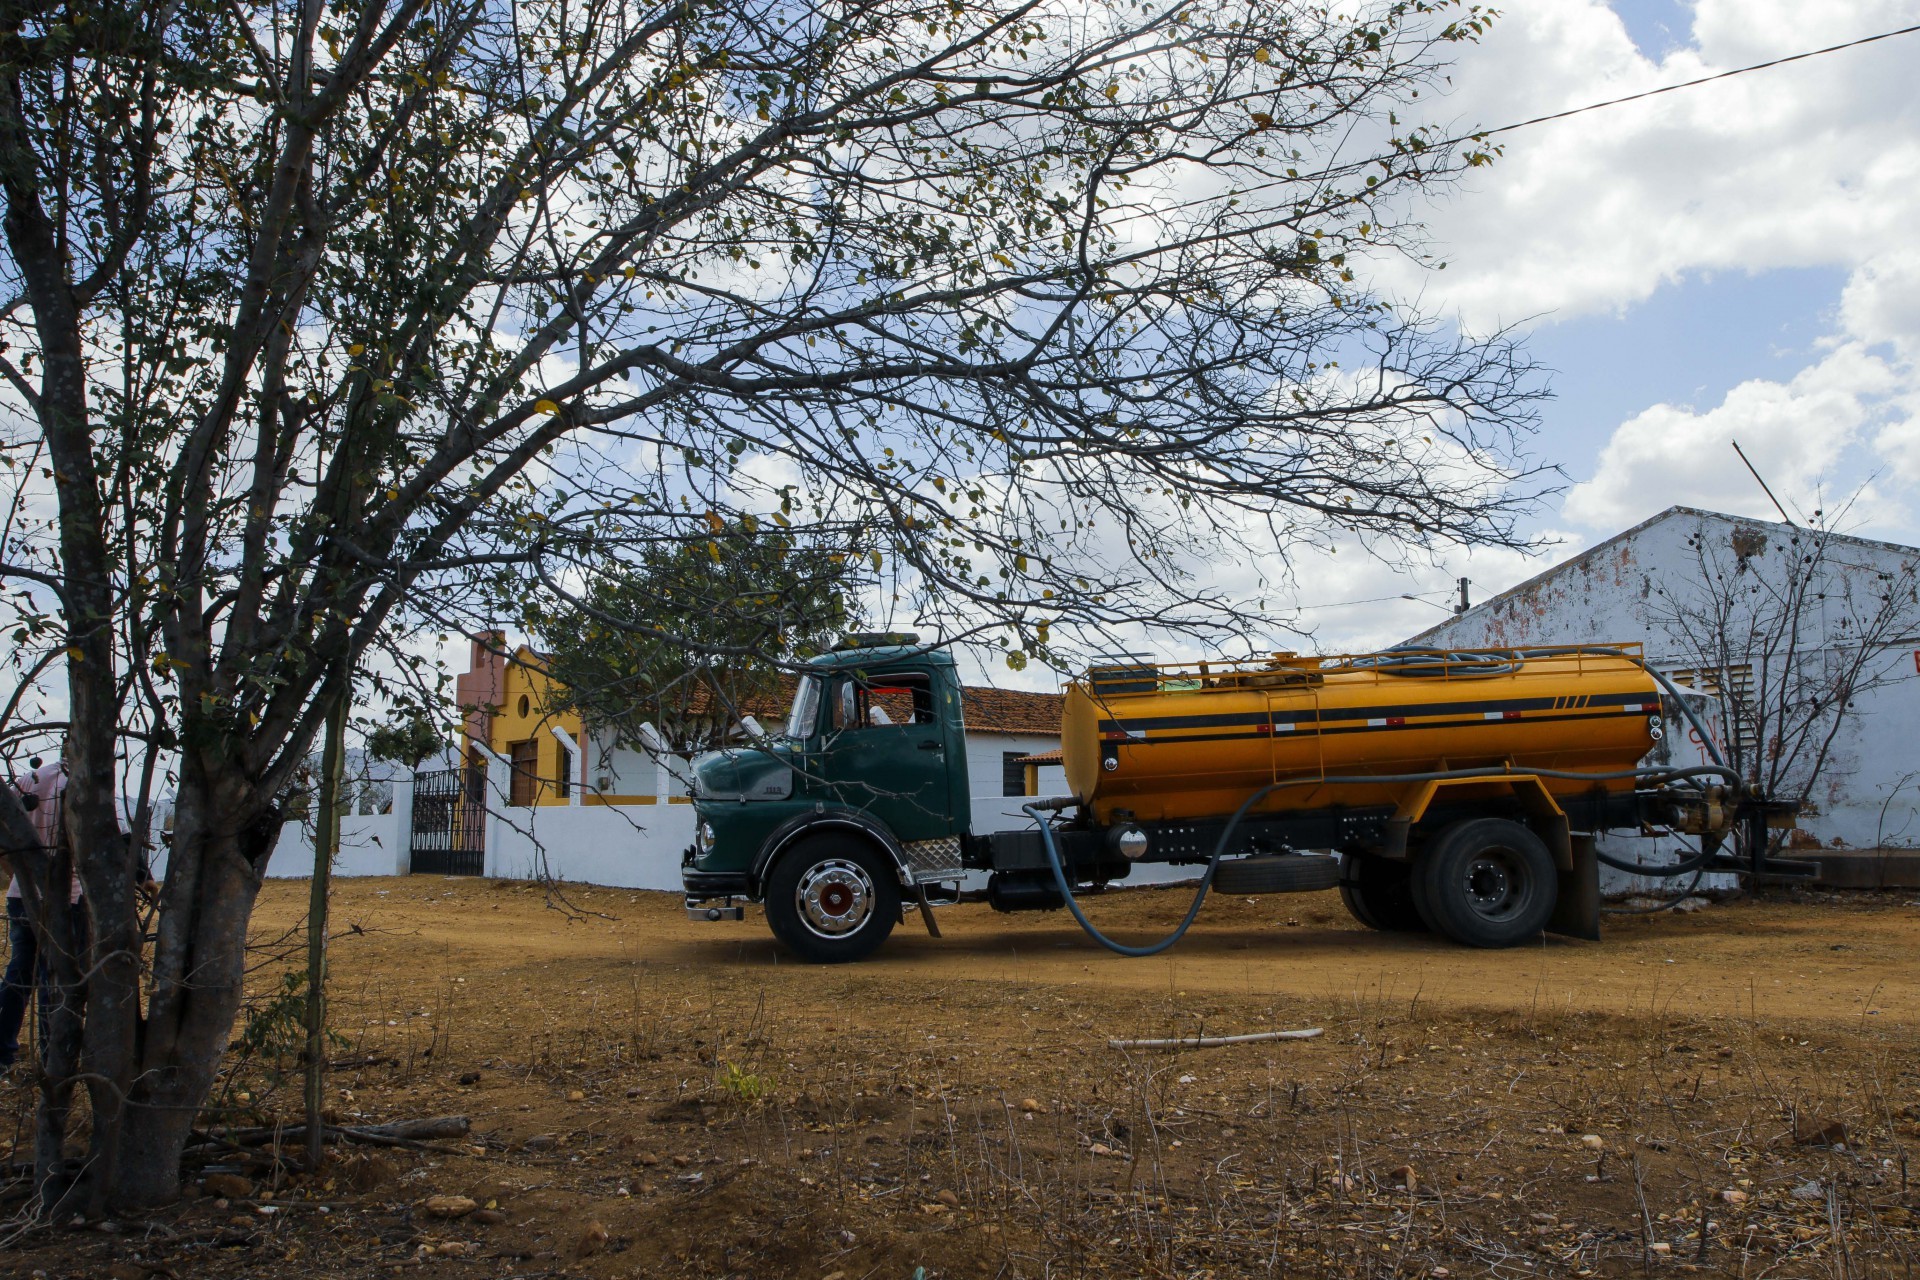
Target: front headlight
(703, 837)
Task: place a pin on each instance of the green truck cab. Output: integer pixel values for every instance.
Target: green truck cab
(862, 800)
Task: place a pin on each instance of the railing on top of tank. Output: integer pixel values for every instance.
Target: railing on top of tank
(1289, 670)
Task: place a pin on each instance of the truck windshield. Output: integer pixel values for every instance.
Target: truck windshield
(805, 713)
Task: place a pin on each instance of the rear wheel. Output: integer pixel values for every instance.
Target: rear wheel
(1379, 893)
(1486, 882)
(832, 901)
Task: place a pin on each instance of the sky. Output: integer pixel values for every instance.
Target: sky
(1735, 261)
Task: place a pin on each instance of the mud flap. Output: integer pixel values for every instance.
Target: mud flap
(1577, 913)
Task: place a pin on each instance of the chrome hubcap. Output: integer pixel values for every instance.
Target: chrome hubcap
(835, 897)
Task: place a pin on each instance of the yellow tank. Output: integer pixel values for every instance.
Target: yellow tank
(1172, 743)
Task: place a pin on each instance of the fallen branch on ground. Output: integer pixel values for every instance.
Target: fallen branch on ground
(397, 1133)
(1214, 1042)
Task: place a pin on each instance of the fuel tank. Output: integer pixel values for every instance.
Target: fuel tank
(1173, 742)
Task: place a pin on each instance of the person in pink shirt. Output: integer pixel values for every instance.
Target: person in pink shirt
(41, 791)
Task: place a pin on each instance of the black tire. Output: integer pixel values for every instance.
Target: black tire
(1486, 882)
(831, 900)
(1379, 893)
(1281, 873)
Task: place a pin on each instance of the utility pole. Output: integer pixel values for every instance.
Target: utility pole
(1464, 604)
(326, 844)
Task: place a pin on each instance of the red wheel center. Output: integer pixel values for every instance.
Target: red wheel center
(836, 898)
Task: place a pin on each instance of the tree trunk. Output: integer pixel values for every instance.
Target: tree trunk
(222, 838)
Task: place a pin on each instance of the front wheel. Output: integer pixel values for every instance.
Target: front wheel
(1486, 882)
(832, 901)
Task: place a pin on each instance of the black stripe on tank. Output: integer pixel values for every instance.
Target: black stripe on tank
(1323, 713)
(1283, 734)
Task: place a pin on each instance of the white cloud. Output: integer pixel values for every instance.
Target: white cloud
(1794, 432)
(1815, 164)
(1812, 164)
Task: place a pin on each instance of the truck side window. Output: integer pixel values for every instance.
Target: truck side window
(884, 702)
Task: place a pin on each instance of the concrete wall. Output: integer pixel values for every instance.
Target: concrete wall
(631, 846)
(370, 845)
(1641, 585)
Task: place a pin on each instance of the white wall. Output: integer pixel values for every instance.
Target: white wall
(370, 845)
(631, 846)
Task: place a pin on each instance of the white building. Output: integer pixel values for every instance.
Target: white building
(1781, 623)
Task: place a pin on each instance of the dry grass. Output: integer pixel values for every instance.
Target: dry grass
(653, 1098)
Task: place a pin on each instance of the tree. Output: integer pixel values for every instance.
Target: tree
(1788, 628)
(408, 740)
(692, 634)
(319, 318)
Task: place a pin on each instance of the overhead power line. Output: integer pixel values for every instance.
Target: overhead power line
(1689, 84)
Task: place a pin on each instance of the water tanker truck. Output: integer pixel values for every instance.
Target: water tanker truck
(1453, 791)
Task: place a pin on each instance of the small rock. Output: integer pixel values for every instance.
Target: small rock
(471, 1077)
(222, 1203)
(646, 1159)
(488, 1217)
(1030, 1104)
(1808, 1191)
(681, 1162)
(948, 1199)
(1404, 1178)
(834, 1275)
(228, 1186)
(1693, 904)
(1732, 1196)
(1101, 1149)
(449, 1206)
(593, 1238)
(1811, 1131)
(1593, 1142)
(1660, 1247)
(576, 1095)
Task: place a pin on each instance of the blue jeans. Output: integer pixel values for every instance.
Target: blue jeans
(27, 973)
(22, 977)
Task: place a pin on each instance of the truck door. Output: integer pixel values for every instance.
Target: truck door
(886, 752)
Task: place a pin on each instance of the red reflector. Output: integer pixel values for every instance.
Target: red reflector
(1513, 715)
(1263, 729)
(1392, 720)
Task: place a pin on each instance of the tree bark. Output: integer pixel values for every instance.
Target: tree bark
(199, 974)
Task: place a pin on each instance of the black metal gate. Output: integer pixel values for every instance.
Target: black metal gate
(449, 822)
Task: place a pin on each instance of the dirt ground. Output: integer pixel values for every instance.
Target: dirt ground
(651, 1096)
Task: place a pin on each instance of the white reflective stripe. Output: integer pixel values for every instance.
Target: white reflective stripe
(1288, 727)
(1374, 724)
(1493, 715)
